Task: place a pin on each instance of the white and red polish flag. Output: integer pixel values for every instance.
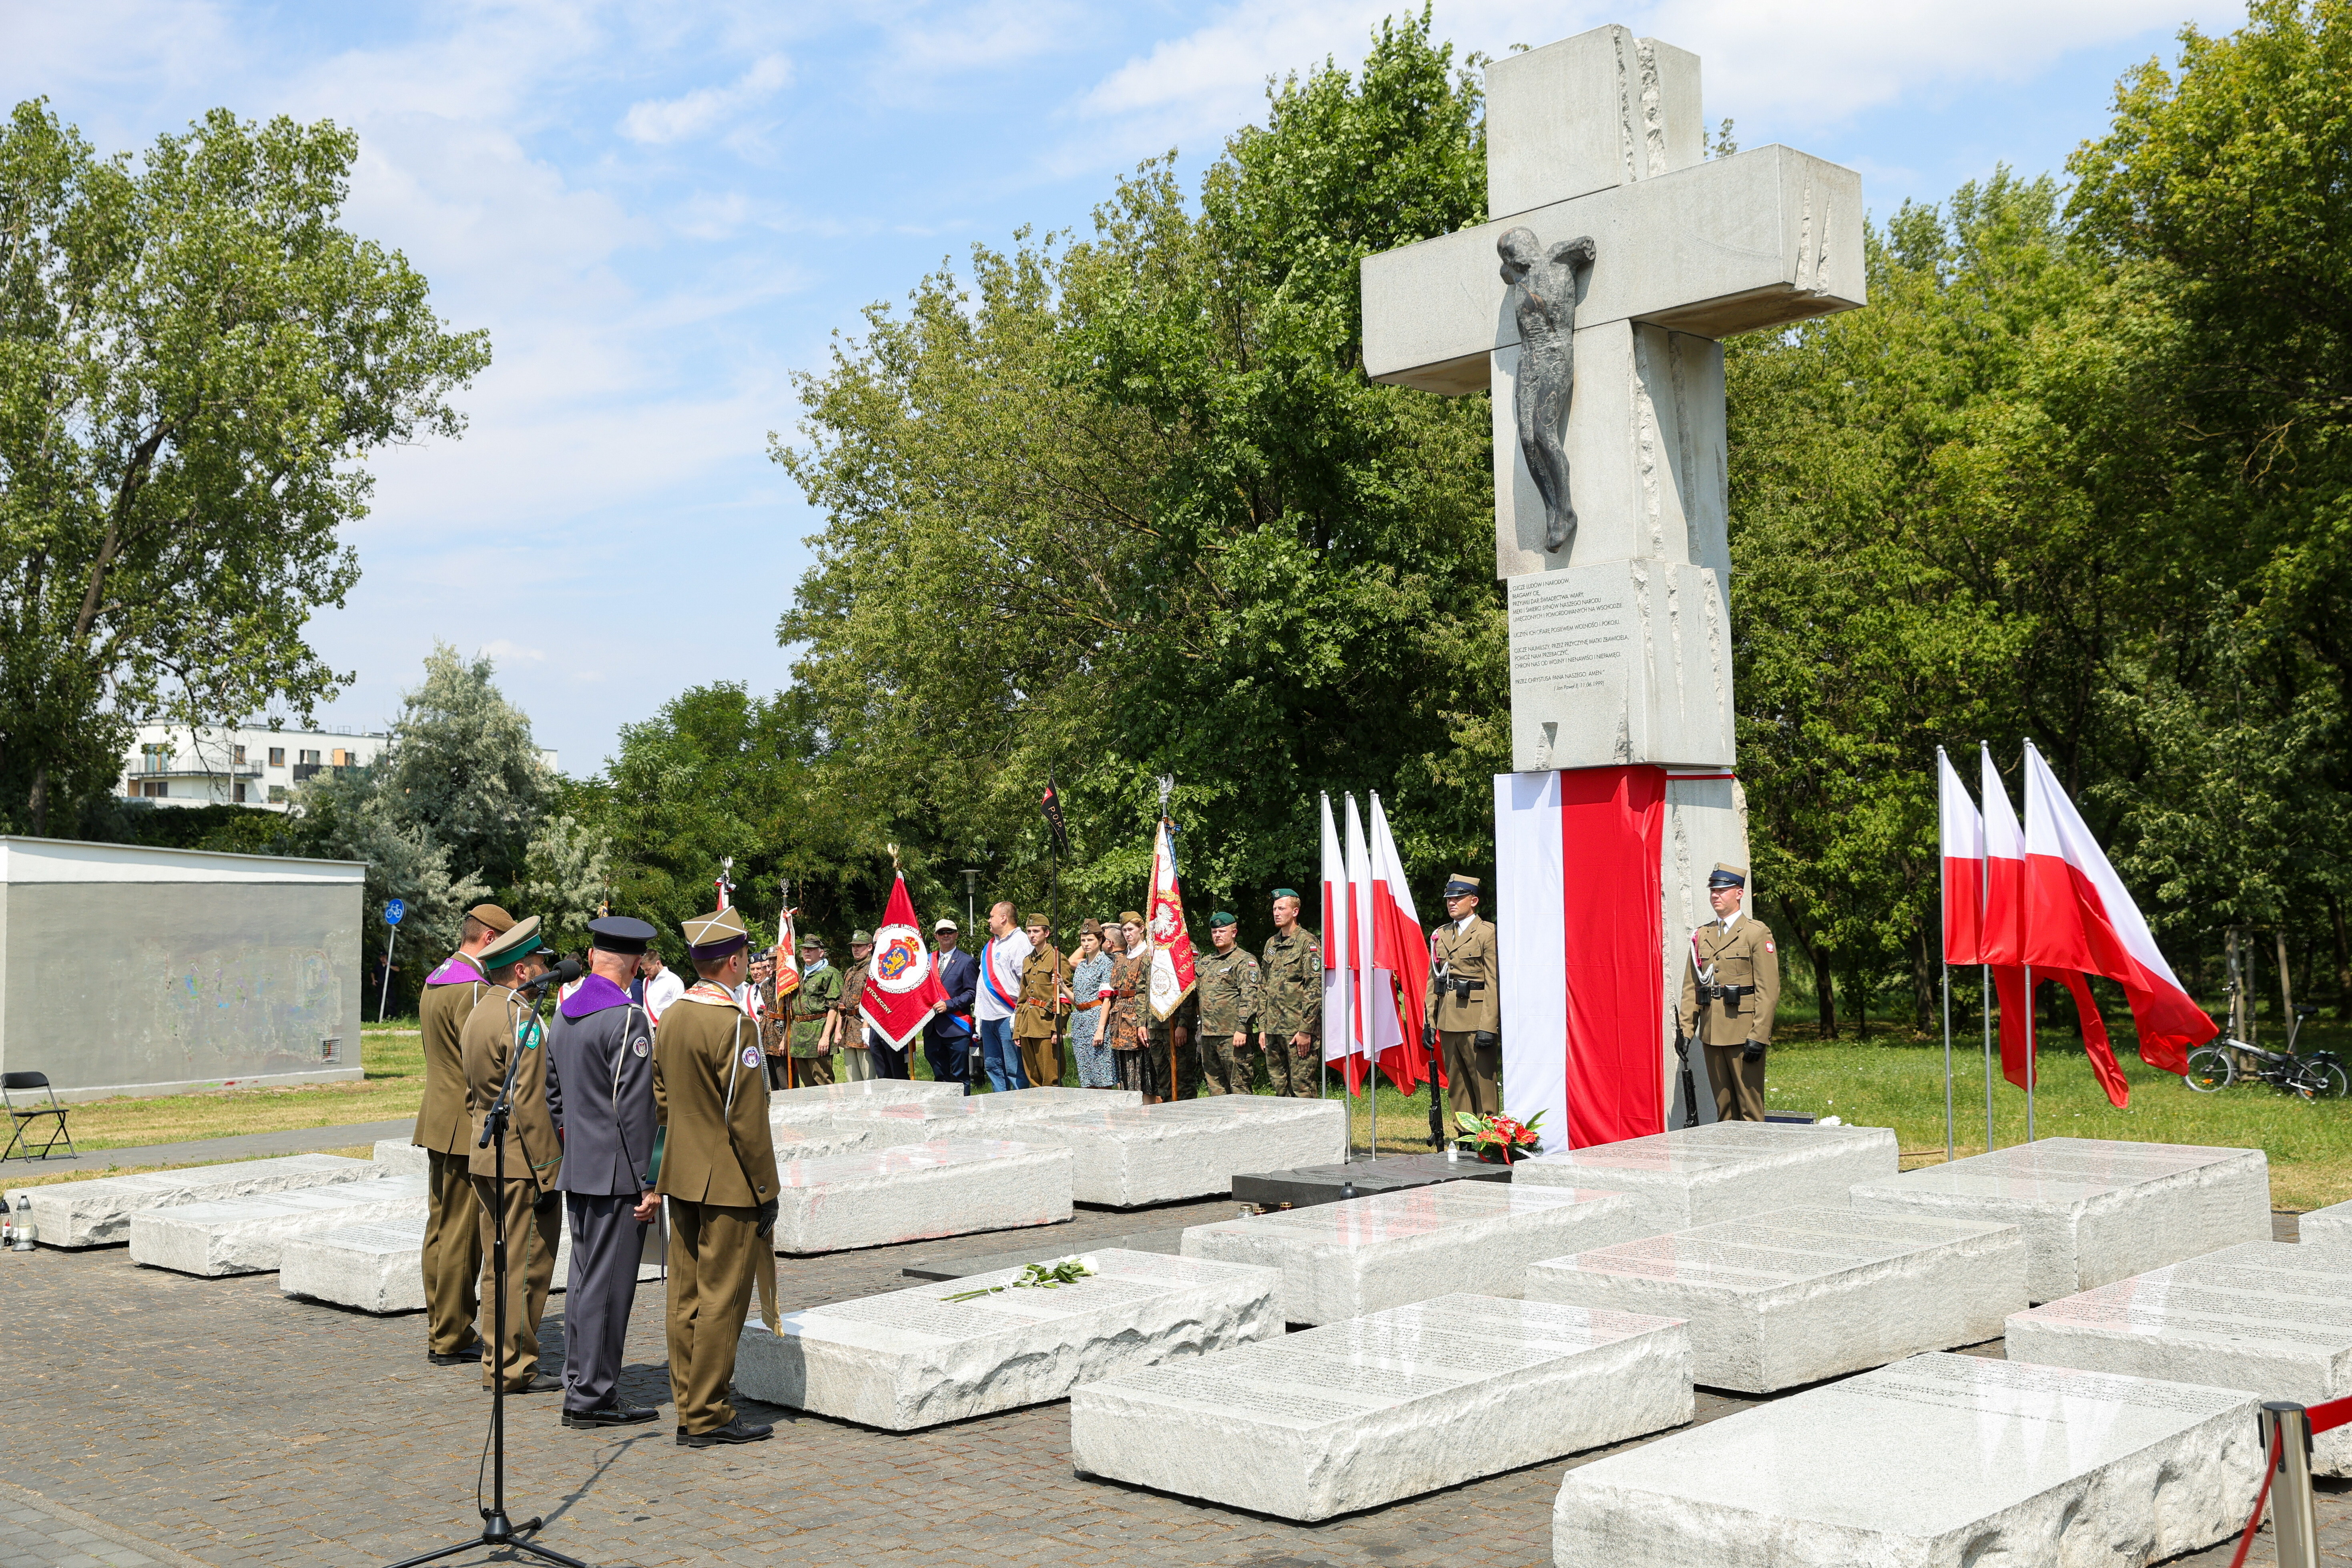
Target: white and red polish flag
(901, 982)
(1369, 988)
(1402, 952)
(2078, 916)
(2001, 944)
(1960, 827)
(1339, 979)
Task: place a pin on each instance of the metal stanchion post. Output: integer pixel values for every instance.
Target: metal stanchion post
(2295, 1524)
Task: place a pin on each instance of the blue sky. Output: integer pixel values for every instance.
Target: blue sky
(662, 211)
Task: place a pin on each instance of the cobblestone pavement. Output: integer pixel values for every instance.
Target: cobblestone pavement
(219, 1420)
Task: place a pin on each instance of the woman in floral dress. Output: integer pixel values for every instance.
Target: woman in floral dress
(1088, 978)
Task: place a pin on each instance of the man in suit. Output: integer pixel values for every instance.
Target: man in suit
(947, 1038)
(600, 1090)
(453, 1240)
(516, 1174)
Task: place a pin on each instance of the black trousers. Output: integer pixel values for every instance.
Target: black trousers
(607, 1242)
(950, 1054)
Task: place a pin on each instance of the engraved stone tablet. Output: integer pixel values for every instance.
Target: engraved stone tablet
(379, 1268)
(2330, 1226)
(97, 1213)
(945, 1188)
(1940, 1461)
(2268, 1316)
(997, 1115)
(1188, 1148)
(1405, 1400)
(1620, 662)
(820, 1137)
(1365, 1255)
(242, 1236)
(401, 1157)
(1780, 1299)
(1721, 1170)
(818, 1097)
(912, 1358)
(2094, 1211)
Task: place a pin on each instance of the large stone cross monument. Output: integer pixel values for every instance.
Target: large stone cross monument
(1592, 304)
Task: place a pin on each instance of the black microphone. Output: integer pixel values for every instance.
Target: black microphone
(564, 973)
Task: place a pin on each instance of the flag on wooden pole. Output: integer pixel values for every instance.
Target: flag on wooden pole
(901, 986)
(1171, 945)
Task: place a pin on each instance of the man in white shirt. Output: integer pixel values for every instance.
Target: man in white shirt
(999, 996)
(662, 985)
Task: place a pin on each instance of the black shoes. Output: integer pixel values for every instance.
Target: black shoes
(736, 1431)
(470, 1353)
(613, 1415)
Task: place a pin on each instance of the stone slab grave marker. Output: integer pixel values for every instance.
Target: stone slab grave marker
(1939, 1461)
(1777, 1300)
(950, 1187)
(2269, 1316)
(1127, 1158)
(1357, 1414)
(2330, 1226)
(97, 1213)
(1629, 254)
(1344, 1259)
(2094, 1211)
(1722, 1170)
(998, 1115)
(819, 1138)
(244, 1236)
(811, 1099)
(1045, 1248)
(1308, 1186)
(911, 1358)
(379, 1269)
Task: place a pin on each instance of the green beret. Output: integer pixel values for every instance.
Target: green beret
(1221, 918)
(1288, 893)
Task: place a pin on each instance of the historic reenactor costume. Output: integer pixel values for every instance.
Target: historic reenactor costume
(1037, 1017)
(719, 1173)
(1123, 1002)
(501, 1033)
(817, 1001)
(600, 1090)
(856, 1056)
(1226, 980)
(1730, 988)
(1466, 1007)
(1291, 1002)
(453, 1252)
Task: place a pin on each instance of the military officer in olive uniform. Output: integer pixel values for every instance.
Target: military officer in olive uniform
(814, 1016)
(718, 1171)
(453, 1237)
(600, 1090)
(1291, 1003)
(499, 1032)
(1730, 988)
(1226, 982)
(1463, 1007)
(1045, 998)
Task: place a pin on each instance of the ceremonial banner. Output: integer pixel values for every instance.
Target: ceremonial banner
(1338, 990)
(788, 954)
(901, 986)
(1171, 945)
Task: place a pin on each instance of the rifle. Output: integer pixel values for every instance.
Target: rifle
(1690, 1085)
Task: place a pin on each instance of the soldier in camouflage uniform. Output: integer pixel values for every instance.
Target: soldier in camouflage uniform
(1225, 985)
(816, 1013)
(1290, 1010)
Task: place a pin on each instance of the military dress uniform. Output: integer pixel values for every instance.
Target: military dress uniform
(498, 1031)
(1290, 1004)
(1226, 987)
(1037, 1015)
(1730, 988)
(1465, 1007)
(453, 1240)
(819, 995)
(718, 1171)
(600, 1090)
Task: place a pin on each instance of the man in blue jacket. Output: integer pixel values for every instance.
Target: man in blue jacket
(947, 1038)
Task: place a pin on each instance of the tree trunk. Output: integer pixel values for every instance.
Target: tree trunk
(40, 801)
(2286, 985)
(1922, 984)
(2342, 962)
(1824, 982)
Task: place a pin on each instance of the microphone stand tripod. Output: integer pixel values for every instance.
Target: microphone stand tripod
(496, 1530)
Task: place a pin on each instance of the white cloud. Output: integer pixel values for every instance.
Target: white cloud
(499, 649)
(658, 121)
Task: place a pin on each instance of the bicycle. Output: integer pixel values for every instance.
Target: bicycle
(2321, 1075)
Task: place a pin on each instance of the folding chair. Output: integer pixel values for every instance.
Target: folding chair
(21, 1119)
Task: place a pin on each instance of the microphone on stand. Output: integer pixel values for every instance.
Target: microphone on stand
(564, 973)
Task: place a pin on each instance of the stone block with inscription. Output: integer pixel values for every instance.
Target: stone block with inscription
(379, 1268)
(1777, 1300)
(2268, 1316)
(1722, 1170)
(1405, 1400)
(912, 1358)
(821, 1136)
(1188, 1148)
(244, 1236)
(812, 1099)
(1939, 1461)
(950, 1187)
(2330, 1226)
(97, 1213)
(1366, 1255)
(1620, 662)
(401, 1157)
(999, 1115)
(2095, 1211)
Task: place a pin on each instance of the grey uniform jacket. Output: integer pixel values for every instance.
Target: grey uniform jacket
(600, 1088)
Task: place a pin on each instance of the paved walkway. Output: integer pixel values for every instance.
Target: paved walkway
(213, 1151)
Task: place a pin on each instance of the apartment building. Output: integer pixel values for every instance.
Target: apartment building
(245, 764)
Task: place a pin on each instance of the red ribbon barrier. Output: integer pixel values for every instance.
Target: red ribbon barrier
(2270, 1467)
(2328, 1416)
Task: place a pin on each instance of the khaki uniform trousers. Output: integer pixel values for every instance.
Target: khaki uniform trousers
(713, 1251)
(452, 1253)
(1294, 1070)
(1738, 1083)
(1041, 1059)
(534, 1223)
(808, 1071)
(1227, 1067)
(1145, 1068)
(1470, 1072)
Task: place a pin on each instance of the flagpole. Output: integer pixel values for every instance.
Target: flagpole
(1988, 1054)
(1943, 872)
(2030, 1063)
(1947, 1063)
